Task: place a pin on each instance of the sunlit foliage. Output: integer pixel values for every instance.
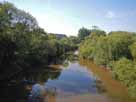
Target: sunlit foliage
(116, 50)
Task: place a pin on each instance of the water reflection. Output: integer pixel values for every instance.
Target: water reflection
(28, 86)
(115, 90)
(77, 82)
(38, 94)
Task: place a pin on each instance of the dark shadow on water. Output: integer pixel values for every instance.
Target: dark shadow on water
(20, 87)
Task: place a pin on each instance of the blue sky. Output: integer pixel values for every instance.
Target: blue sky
(67, 16)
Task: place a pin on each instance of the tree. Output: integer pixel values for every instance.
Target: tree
(10, 16)
(119, 43)
(104, 48)
(133, 50)
(23, 42)
(17, 28)
(83, 32)
(102, 51)
(116, 49)
(97, 32)
(88, 46)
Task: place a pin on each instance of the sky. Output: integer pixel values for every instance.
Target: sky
(68, 16)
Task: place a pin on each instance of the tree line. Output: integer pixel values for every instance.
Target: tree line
(24, 43)
(115, 50)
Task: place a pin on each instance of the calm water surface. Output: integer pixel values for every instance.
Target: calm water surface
(80, 81)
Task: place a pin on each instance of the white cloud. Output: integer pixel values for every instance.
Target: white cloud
(110, 14)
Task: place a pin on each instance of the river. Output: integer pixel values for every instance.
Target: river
(78, 81)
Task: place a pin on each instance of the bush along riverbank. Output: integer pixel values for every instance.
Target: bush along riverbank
(115, 50)
(23, 43)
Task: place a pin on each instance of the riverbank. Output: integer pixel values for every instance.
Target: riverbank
(78, 81)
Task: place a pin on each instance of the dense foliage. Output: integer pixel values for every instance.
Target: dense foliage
(125, 70)
(87, 47)
(24, 43)
(83, 32)
(116, 50)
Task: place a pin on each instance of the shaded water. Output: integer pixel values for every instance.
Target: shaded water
(80, 81)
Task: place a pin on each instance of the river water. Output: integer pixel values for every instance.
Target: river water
(78, 81)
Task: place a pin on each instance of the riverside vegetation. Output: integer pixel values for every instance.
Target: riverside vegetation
(115, 50)
(23, 43)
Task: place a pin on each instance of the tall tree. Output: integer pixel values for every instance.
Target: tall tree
(83, 32)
